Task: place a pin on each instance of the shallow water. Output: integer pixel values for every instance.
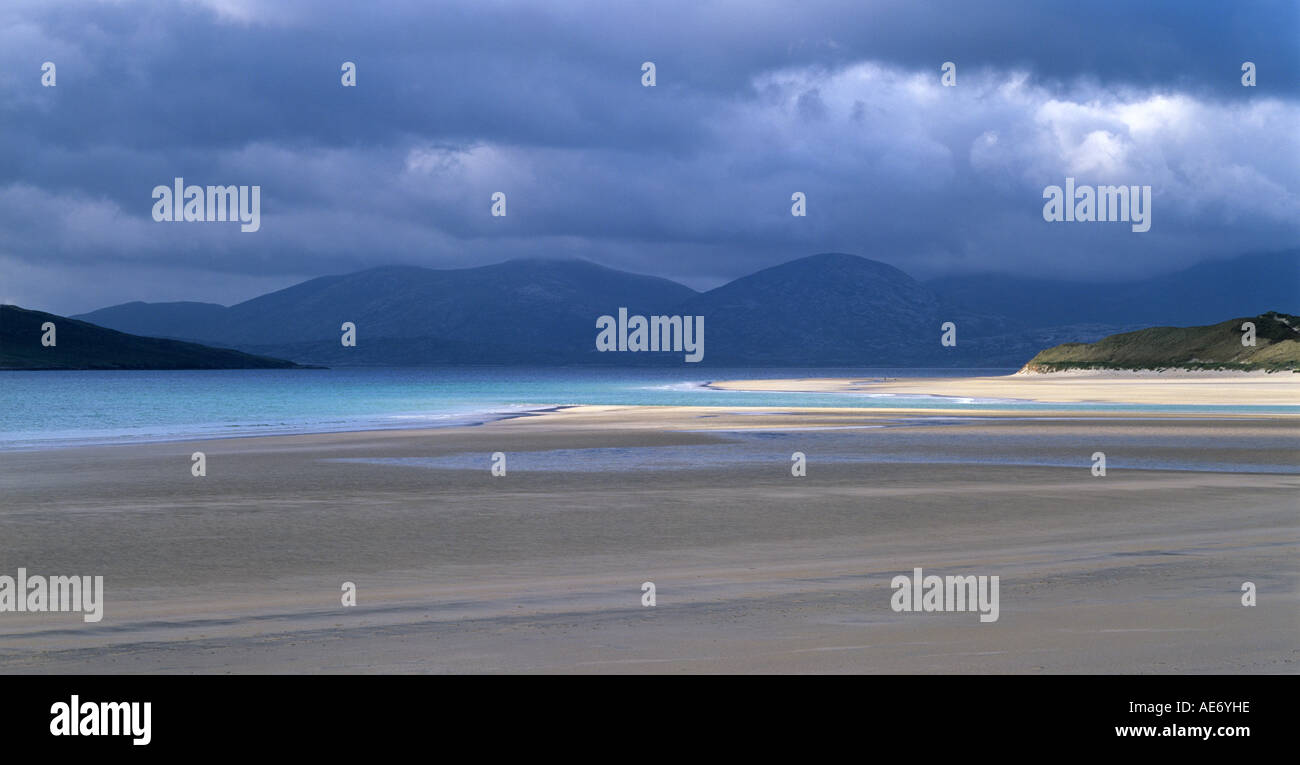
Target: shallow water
(901, 442)
(48, 409)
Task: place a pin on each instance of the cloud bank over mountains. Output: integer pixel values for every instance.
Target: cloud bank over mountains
(689, 180)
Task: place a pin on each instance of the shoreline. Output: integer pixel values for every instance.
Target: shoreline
(684, 416)
(1023, 395)
(468, 421)
(1157, 374)
(1212, 389)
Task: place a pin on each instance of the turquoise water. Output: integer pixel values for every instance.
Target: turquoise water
(47, 409)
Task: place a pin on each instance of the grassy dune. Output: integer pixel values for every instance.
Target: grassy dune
(1218, 346)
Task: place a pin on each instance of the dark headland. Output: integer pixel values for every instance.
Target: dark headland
(76, 344)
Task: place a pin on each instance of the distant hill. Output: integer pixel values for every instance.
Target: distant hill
(1201, 294)
(829, 309)
(520, 312)
(822, 310)
(79, 345)
(1218, 346)
(174, 320)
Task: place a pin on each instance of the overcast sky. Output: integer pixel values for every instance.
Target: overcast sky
(690, 179)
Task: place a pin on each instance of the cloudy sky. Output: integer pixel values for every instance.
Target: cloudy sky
(690, 179)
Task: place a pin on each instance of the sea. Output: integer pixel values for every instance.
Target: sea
(52, 409)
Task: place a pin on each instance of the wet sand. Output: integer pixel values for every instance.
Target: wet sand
(756, 570)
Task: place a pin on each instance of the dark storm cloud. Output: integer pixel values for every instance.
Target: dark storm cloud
(690, 179)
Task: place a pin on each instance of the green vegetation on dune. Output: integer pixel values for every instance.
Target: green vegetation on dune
(79, 345)
(1215, 347)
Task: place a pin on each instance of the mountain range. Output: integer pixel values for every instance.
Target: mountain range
(822, 310)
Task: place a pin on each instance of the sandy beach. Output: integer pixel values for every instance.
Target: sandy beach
(1170, 387)
(756, 570)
